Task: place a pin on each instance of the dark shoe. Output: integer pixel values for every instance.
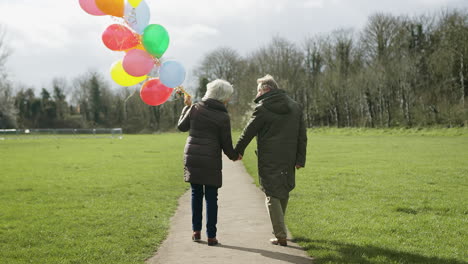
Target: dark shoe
(279, 241)
(196, 236)
(212, 241)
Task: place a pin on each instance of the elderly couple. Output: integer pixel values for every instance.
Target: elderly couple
(281, 138)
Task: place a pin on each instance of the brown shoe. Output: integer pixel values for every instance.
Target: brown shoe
(212, 241)
(279, 241)
(196, 236)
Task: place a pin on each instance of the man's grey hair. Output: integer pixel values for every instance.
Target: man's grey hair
(267, 82)
(220, 90)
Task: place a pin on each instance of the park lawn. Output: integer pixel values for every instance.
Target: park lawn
(75, 200)
(381, 196)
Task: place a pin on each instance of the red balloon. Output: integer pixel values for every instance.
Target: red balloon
(119, 37)
(154, 93)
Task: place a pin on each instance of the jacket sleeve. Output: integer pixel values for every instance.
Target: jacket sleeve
(226, 141)
(301, 143)
(251, 130)
(184, 120)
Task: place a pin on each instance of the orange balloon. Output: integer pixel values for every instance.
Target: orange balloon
(111, 7)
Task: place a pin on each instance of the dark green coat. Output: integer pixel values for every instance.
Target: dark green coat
(278, 124)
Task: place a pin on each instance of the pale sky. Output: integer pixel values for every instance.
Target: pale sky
(56, 38)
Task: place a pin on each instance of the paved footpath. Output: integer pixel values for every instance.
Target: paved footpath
(244, 228)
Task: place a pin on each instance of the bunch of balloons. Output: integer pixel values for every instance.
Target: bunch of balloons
(143, 43)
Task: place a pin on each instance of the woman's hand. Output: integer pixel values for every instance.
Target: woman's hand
(187, 100)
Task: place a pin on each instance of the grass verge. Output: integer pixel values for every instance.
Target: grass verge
(381, 196)
(88, 200)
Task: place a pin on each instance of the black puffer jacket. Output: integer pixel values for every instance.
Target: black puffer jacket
(209, 129)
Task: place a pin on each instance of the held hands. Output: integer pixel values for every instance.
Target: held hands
(239, 158)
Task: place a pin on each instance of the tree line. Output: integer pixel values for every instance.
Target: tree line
(86, 102)
(397, 71)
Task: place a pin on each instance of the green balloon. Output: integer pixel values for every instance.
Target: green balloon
(156, 40)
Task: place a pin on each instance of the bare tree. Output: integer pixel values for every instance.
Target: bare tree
(284, 60)
(379, 36)
(4, 49)
(314, 63)
(8, 111)
(223, 63)
(454, 38)
(60, 88)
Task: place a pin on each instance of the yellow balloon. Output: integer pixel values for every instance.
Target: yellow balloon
(122, 78)
(139, 46)
(135, 3)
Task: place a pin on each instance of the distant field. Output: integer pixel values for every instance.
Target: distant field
(377, 196)
(87, 200)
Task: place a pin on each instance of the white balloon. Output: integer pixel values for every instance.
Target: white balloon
(137, 18)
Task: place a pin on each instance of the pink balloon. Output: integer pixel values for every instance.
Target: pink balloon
(138, 62)
(90, 7)
(154, 93)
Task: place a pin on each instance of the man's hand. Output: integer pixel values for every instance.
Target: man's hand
(187, 100)
(239, 158)
(298, 167)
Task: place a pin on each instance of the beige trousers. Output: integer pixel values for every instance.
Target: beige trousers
(276, 210)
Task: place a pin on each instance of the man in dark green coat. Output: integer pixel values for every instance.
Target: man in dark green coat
(278, 124)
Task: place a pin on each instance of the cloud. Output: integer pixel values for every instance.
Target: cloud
(314, 4)
(187, 35)
(41, 24)
(434, 2)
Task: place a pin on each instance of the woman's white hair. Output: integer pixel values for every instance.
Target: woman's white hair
(220, 90)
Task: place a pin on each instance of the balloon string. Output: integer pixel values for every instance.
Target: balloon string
(181, 89)
(157, 62)
(178, 89)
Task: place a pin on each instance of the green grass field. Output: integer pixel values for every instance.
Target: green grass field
(366, 196)
(87, 200)
(375, 196)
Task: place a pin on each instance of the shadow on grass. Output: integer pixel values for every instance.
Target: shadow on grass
(287, 258)
(338, 252)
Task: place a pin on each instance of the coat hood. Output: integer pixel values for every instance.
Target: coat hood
(215, 104)
(275, 101)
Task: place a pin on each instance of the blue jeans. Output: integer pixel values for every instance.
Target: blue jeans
(211, 196)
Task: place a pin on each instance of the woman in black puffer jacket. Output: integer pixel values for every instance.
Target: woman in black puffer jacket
(209, 129)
